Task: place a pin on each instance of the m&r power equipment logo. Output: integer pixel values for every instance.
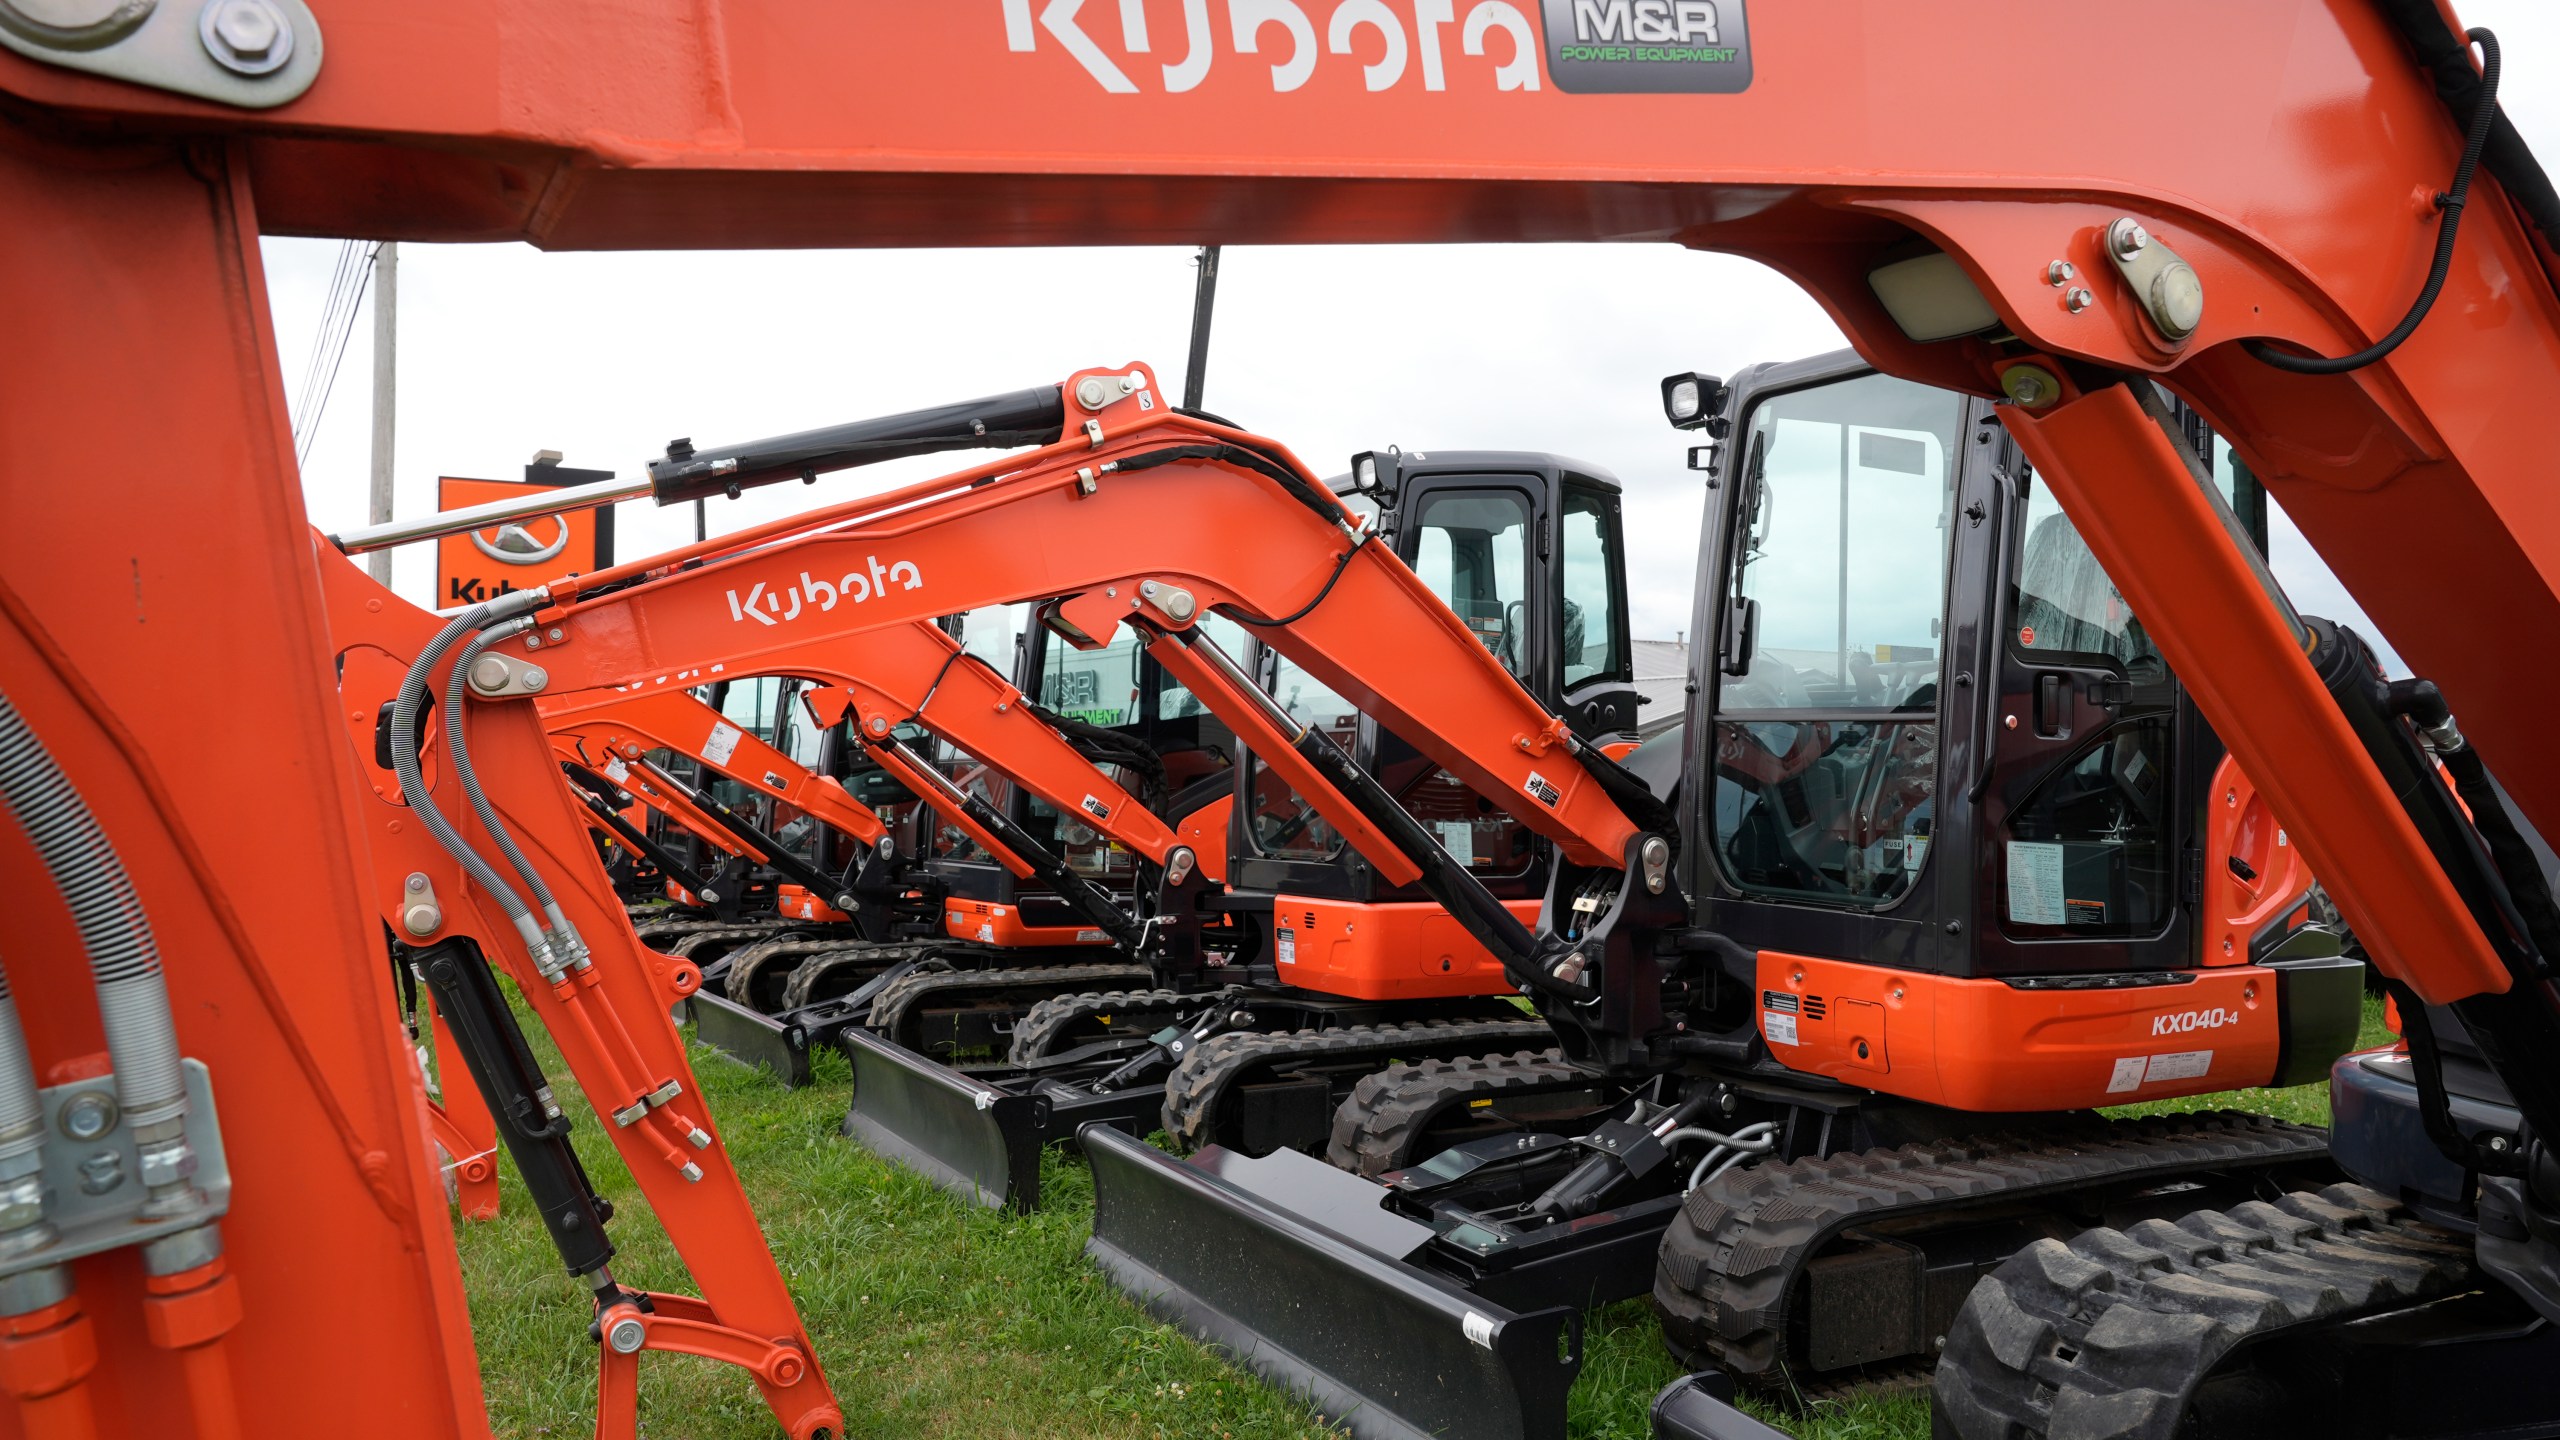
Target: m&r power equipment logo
(1626, 47)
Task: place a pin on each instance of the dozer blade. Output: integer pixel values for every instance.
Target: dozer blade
(976, 1136)
(969, 1137)
(775, 1043)
(1289, 1266)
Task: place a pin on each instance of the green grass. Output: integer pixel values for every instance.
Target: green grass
(935, 1317)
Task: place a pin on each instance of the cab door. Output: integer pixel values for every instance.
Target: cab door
(1595, 658)
(1836, 674)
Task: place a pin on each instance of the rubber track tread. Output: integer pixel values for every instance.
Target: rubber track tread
(2111, 1334)
(651, 931)
(686, 946)
(1199, 1085)
(1041, 1026)
(1733, 1253)
(801, 988)
(748, 962)
(1376, 1129)
(889, 1008)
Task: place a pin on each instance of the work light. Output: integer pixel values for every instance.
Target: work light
(1695, 402)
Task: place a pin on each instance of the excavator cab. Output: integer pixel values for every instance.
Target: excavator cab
(1917, 657)
(1526, 549)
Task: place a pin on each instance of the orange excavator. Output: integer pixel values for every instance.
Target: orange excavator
(2239, 229)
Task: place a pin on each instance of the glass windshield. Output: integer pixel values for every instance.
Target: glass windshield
(1098, 687)
(1589, 622)
(1844, 545)
(1826, 743)
(991, 633)
(1471, 548)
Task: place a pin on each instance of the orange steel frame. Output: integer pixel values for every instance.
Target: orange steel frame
(602, 729)
(2245, 135)
(610, 1020)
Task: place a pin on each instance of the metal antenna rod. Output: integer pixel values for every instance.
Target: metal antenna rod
(1204, 299)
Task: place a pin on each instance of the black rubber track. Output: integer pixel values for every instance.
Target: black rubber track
(1377, 1129)
(652, 932)
(690, 945)
(769, 963)
(890, 1008)
(2111, 1334)
(1730, 1260)
(1147, 1011)
(802, 987)
(1200, 1084)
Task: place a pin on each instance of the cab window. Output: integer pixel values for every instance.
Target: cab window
(1590, 624)
(1825, 743)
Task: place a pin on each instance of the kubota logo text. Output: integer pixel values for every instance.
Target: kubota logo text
(2191, 1020)
(768, 607)
(1432, 42)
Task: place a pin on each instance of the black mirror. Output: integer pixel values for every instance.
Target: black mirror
(1741, 637)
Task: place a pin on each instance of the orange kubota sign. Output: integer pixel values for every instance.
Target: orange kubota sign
(482, 564)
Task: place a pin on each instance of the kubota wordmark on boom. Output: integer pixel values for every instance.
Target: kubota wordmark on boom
(2207, 197)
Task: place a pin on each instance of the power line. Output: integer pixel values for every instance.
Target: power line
(346, 298)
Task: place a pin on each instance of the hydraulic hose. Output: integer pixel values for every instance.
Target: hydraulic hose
(2449, 205)
(124, 959)
(457, 748)
(22, 1189)
(404, 765)
(21, 1110)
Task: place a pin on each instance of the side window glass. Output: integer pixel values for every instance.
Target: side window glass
(2066, 605)
(2088, 853)
(1283, 824)
(1590, 622)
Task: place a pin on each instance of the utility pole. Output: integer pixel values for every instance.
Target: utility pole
(1204, 300)
(386, 311)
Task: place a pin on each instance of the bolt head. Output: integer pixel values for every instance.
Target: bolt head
(2059, 272)
(534, 678)
(2079, 299)
(2128, 236)
(555, 634)
(627, 1336)
(245, 37)
(249, 27)
(417, 880)
(88, 1115)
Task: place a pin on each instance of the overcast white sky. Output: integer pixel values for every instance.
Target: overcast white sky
(505, 350)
